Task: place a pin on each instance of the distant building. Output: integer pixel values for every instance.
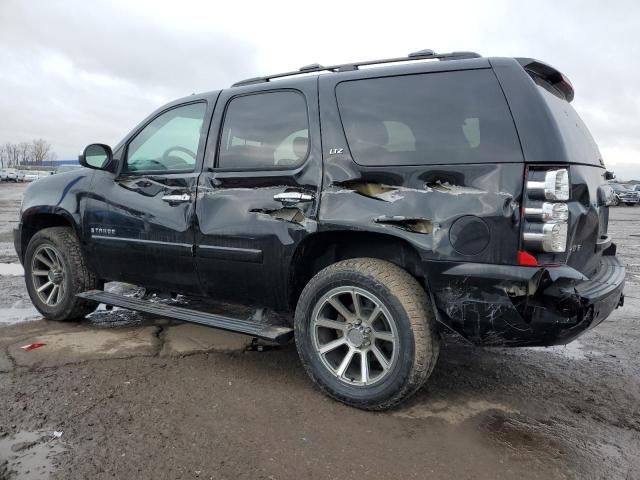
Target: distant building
(57, 163)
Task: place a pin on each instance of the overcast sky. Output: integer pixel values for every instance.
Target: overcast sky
(78, 72)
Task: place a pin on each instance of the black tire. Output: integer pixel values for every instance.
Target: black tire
(408, 304)
(77, 275)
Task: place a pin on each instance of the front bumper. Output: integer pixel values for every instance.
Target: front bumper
(504, 305)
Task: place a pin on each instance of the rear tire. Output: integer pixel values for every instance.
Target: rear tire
(378, 345)
(55, 271)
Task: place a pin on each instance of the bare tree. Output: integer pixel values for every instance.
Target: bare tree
(40, 150)
(24, 153)
(12, 154)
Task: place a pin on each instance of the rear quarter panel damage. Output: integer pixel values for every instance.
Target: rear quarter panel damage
(421, 204)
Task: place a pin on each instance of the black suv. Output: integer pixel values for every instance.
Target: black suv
(380, 205)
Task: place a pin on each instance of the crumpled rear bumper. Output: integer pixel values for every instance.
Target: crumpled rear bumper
(504, 305)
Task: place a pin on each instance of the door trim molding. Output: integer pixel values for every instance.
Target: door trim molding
(140, 240)
(235, 254)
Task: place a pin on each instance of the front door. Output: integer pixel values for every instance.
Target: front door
(259, 199)
(141, 222)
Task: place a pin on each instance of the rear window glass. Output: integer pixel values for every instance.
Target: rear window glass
(433, 118)
(580, 145)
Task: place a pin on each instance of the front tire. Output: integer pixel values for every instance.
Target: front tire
(55, 271)
(365, 332)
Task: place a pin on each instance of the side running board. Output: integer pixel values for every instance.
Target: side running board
(274, 333)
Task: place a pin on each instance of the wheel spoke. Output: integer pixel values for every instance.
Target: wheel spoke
(345, 362)
(339, 306)
(374, 314)
(384, 336)
(44, 286)
(356, 303)
(60, 293)
(364, 367)
(333, 324)
(52, 256)
(52, 294)
(41, 259)
(327, 347)
(383, 361)
(40, 273)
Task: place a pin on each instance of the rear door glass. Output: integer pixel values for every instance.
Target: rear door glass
(434, 118)
(580, 145)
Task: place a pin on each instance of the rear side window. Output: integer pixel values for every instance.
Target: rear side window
(580, 145)
(433, 118)
(265, 131)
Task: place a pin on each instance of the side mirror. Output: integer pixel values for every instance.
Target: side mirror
(97, 156)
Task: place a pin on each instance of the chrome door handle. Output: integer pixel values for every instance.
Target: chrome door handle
(177, 198)
(291, 198)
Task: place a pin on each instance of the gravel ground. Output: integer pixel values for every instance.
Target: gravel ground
(137, 397)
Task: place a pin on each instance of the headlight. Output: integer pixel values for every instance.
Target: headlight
(548, 237)
(554, 185)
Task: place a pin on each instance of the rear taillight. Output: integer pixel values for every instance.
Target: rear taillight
(545, 214)
(548, 212)
(546, 237)
(549, 185)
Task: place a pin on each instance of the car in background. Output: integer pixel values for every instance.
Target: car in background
(12, 175)
(31, 176)
(624, 195)
(20, 174)
(3, 175)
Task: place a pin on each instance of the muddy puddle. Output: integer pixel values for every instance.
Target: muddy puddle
(29, 455)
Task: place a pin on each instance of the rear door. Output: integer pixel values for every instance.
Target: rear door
(554, 136)
(258, 196)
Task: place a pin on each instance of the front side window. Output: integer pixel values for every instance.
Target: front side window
(169, 142)
(265, 131)
(433, 118)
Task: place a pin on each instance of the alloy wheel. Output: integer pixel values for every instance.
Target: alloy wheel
(48, 275)
(355, 336)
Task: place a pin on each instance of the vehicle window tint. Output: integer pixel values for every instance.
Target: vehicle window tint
(169, 142)
(265, 130)
(581, 147)
(435, 118)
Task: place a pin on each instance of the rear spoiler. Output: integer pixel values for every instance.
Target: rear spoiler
(548, 74)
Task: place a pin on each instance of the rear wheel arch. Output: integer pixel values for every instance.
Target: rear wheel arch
(322, 249)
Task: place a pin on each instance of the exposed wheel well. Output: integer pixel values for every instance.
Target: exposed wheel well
(36, 223)
(323, 249)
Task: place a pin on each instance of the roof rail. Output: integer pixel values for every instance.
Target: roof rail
(346, 67)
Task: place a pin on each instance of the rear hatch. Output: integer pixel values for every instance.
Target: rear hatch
(590, 192)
